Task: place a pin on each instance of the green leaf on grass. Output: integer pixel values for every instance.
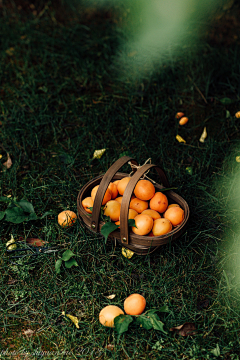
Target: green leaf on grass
(164, 308)
(70, 263)
(156, 323)
(131, 222)
(216, 351)
(5, 199)
(189, 170)
(226, 101)
(144, 322)
(32, 216)
(107, 229)
(2, 214)
(46, 214)
(15, 215)
(67, 255)
(121, 323)
(58, 264)
(26, 206)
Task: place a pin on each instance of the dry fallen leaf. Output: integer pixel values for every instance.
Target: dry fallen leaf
(98, 153)
(110, 297)
(110, 347)
(8, 163)
(10, 51)
(10, 245)
(180, 139)
(11, 281)
(28, 332)
(35, 242)
(127, 253)
(185, 330)
(73, 318)
(204, 135)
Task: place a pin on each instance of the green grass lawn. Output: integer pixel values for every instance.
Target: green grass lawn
(60, 100)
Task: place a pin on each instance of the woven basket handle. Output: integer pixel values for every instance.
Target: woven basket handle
(103, 187)
(124, 230)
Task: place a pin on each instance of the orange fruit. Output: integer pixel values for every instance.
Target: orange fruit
(175, 215)
(122, 184)
(161, 227)
(107, 196)
(172, 205)
(67, 218)
(183, 120)
(131, 215)
(134, 304)
(159, 202)
(144, 190)
(144, 224)
(138, 205)
(113, 188)
(87, 203)
(112, 209)
(153, 213)
(179, 115)
(108, 314)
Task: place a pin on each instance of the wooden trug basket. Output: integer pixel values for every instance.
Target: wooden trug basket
(140, 245)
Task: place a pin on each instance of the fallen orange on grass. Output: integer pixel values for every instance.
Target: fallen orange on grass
(108, 314)
(144, 190)
(67, 218)
(134, 304)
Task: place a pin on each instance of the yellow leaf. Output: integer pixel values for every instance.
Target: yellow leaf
(0, 156)
(73, 318)
(11, 241)
(180, 139)
(10, 51)
(8, 163)
(237, 158)
(110, 297)
(127, 253)
(204, 135)
(98, 153)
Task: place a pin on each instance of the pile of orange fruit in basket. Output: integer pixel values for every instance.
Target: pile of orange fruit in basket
(149, 208)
